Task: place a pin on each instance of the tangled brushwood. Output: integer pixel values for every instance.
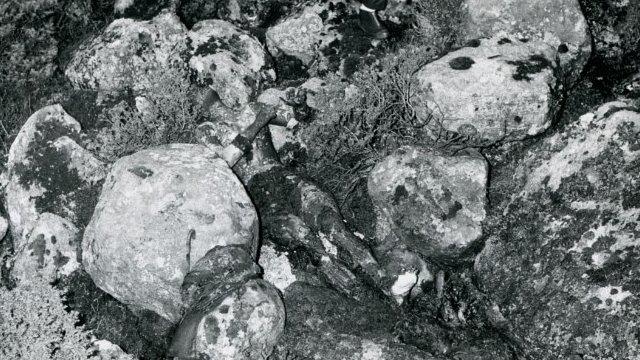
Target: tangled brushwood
(167, 113)
(373, 116)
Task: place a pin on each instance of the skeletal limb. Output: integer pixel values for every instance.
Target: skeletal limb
(298, 213)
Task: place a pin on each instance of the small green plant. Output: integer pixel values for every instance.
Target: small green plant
(35, 325)
(168, 113)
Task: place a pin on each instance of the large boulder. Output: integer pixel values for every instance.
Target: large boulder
(244, 324)
(229, 60)
(161, 210)
(52, 186)
(427, 202)
(128, 54)
(564, 259)
(496, 89)
(560, 24)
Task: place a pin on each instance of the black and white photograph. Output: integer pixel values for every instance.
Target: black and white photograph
(319, 179)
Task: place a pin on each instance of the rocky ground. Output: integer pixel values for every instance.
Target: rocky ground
(252, 179)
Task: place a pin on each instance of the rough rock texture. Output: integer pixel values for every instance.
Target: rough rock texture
(501, 89)
(222, 269)
(563, 264)
(560, 24)
(139, 9)
(49, 172)
(323, 324)
(244, 324)
(128, 53)
(251, 13)
(160, 211)
(429, 203)
(50, 250)
(228, 59)
(110, 351)
(276, 266)
(615, 27)
(300, 36)
(282, 136)
(4, 227)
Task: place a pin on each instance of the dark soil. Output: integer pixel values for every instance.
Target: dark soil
(142, 334)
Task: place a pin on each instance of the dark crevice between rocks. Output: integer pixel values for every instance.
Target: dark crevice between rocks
(143, 334)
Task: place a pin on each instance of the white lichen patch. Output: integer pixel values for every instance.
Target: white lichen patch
(277, 268)
(584, 145)
(610, 297)
(618, 230)
(403, 285)
(329, 247)
(371, 351)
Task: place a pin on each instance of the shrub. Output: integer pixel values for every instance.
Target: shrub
(439, 23)
(367, 119)
(34, 324)
(168, 113)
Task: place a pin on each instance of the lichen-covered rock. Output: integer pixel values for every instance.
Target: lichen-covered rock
(251, 13)
(229, 60)
(559, 24)
(50, 251)
(563, 263)
(49, 172)
(128, 53)
(277, 267)
(428, 203)
(161, 210)
(500, 89)
(244, 324)
(301, 36)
